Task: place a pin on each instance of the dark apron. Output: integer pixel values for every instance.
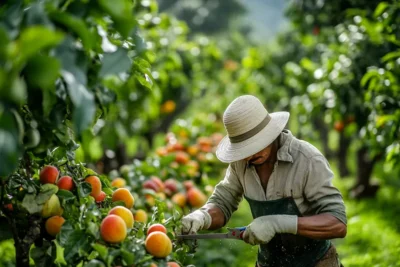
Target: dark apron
(286, 249)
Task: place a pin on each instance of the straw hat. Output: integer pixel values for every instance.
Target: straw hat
(250, 128)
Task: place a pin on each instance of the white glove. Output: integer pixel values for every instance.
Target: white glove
(195, 221)
(264, 228)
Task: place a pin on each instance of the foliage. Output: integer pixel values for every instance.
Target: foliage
(58, 58)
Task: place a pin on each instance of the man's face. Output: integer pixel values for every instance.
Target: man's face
(260, 157)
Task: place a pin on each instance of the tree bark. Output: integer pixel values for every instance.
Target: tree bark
(344, 143)
(24, 237)
(365, 165)
(323, 131)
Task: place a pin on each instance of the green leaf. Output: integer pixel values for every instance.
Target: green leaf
(121, 11)
(77, 241)
(9, 152)
(95, 263)
(380, 9)
(144, 79)
(83, 100)
(102, 250)
(391, 56)
(42, 71)
(84, 189)
(371, 73)
(76, 25)
(29, 203)
(59, 254)
(46, 191)
(65, 195)
(115, 63)
(34, 39)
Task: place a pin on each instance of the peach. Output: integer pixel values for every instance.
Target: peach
(53, 225)
(123, 194)
(141, 216)
(52, 207)
(161, 151)
(179, 199)
(188, 184)
(181, 157)
(204, 141)
(96, 185)
(158, 244)
(118, 182)
(48, 175)
(125, 214)
(66, 183)
(153, 265)
(160, 184)
(172, 185)
(100, 197)
(172, 264)
(9, 206)
(150, 184)
(196, 198)
(113, 229)
(193, 150)
(156, 227)
(150, 200)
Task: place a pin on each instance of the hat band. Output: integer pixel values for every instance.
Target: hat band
(252, 132)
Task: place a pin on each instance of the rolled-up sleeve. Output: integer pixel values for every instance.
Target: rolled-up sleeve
(322, 195)
(228, 193)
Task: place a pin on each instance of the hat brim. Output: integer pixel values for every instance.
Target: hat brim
(230, 152)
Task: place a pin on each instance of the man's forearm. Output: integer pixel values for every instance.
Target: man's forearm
(321, 226)
(217, 216)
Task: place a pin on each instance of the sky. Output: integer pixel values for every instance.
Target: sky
(266, 17)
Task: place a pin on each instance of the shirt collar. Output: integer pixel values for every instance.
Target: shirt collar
(285, 140)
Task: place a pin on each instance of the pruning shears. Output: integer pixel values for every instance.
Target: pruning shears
(233, 233)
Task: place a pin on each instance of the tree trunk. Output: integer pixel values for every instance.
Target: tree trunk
(365, 166)
(24, 237)
(323, 131)
(344, 143)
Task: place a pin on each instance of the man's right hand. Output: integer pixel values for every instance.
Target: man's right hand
(195, 221)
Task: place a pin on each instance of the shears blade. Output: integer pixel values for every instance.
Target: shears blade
(233, 233)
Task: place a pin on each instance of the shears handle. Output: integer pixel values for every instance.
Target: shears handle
(237, 232)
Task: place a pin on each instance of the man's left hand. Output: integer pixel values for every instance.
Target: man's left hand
(264, 228)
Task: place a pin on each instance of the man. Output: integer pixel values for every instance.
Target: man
(287, 183)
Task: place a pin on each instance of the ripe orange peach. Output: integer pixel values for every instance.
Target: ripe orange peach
(48, 175)
(141, 216)
(113, 229)
(118, 182)
(156, 227)
(196, 198)
(179, 199)
(161, 151)
(193, 150)
(66, 183)
(150, 200)
(123, 194)
(172, 264)
(181, 157)
(53, 225)
(153, 265)
(100, 197)
(158, 244)
(168, 106)
(125, 214)
(96, 185)
(9, 206)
